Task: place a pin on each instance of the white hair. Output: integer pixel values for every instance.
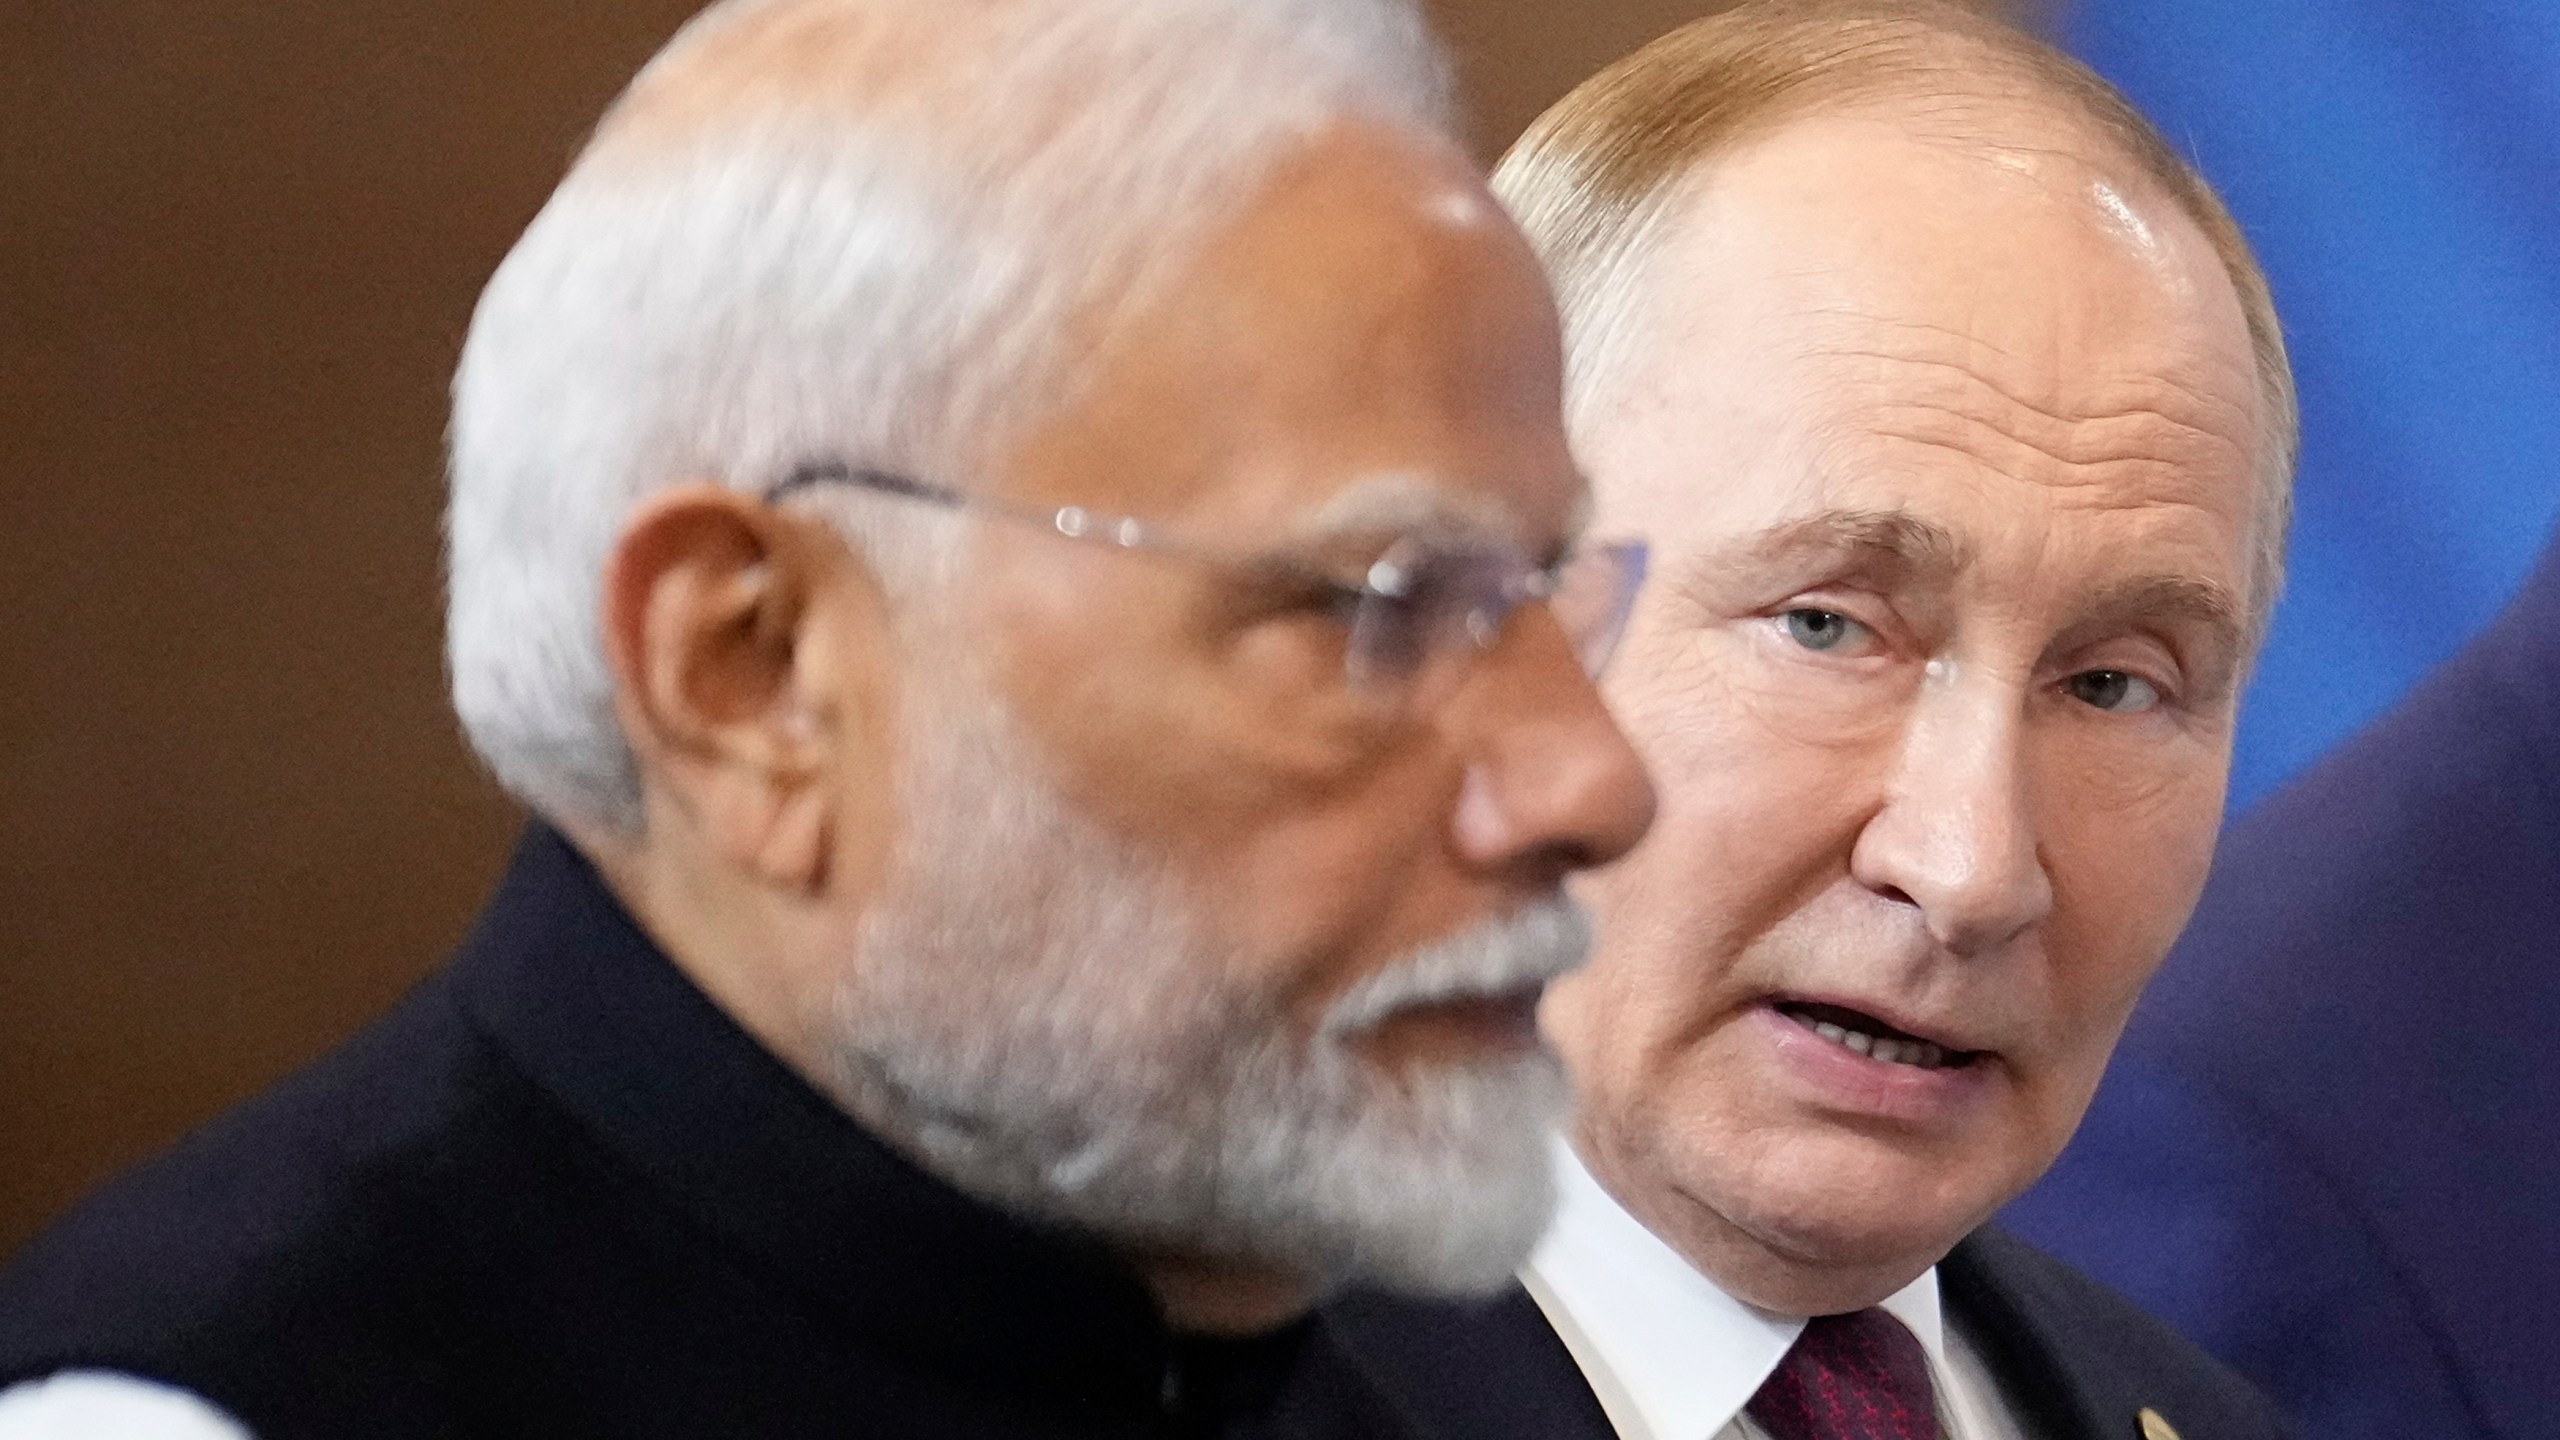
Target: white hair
(882, 231)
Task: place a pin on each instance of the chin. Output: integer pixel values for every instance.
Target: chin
(1840, 1222)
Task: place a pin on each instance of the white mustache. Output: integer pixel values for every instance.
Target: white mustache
(1531, 946)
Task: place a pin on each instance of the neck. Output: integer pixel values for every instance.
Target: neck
(1224, 1298)
(709, 919)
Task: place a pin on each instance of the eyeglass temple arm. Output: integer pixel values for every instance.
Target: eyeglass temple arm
(1075, 522)
(833, 472)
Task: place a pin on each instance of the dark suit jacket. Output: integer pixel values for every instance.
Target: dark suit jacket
(558, 1193)
(2330, 1146)
(2073, 1361)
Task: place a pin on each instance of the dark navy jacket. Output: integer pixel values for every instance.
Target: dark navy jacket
(2330, 1146)
(2072, 1360)
(559, 1193)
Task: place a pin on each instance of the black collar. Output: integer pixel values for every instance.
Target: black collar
(570, 989)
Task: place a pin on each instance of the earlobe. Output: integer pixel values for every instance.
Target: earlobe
(798, 841)
(707, 606)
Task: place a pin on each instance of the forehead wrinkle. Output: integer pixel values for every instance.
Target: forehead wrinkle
(1964, 338)
(2032, 410)
(1953, 406)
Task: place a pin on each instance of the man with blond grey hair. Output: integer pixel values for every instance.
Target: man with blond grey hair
(1959, 419)
(1024, 554)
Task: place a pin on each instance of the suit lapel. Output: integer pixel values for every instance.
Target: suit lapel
(1471, 1372)
(2059, 1382)
(2027, 1365)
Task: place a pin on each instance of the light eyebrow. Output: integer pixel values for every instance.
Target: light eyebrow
(1899, 539)
(2202, 607)
(2208, 603)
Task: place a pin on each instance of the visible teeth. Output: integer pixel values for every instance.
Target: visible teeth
(1920, 1054)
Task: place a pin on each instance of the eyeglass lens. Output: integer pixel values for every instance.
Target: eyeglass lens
(1448, 604)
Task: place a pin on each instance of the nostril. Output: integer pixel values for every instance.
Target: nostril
(1896, 894)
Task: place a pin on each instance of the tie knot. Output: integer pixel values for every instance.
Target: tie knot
(1859, 1376)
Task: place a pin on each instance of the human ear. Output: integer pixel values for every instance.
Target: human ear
(733, 690)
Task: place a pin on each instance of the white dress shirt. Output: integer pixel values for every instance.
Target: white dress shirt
(1672, 1357)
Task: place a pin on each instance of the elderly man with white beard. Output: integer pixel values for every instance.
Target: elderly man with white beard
(1025, 557)
(1958, 416)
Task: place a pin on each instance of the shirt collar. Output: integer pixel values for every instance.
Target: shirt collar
(1670, 1354)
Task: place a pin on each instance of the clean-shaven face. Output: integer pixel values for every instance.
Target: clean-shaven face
(1949, 450)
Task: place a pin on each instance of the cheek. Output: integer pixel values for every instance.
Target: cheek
(1317, 899)
(1671, 927)
(1751, 825)
(1755, 815)
(1637, 1027)
(1138, 720)
(1731, 717)
(1306, 857)
(2125, 877)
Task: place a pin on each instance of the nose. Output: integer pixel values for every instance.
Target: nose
(1552, 784)
(1955, 835)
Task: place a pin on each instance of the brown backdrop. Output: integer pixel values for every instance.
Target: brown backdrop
(239, 240)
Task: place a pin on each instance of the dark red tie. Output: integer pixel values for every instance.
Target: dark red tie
(1859, 1376)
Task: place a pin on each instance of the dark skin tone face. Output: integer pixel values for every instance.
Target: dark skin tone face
(1365, 351)
(1948, 447)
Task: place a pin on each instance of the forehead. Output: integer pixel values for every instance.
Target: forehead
(1868, 312)
(1371, 312)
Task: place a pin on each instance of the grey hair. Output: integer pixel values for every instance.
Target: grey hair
(878, 230)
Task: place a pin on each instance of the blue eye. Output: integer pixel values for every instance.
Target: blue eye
(1820, 629)
(2113, 690)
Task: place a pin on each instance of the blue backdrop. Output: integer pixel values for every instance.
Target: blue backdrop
(2397, 164)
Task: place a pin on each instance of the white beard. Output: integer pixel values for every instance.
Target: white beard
(1037, 1016)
